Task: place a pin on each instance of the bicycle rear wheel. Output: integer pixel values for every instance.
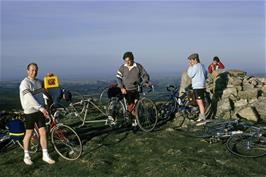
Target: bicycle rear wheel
(34, 141)
(117, 110)
(147, 115)
(247, 145)
(103, 98)
(66, 142)
(76, 107)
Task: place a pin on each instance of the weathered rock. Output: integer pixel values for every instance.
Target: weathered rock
(249, 113)
(260, 106)
(236, 73)
(225, 105)
(235, 81)
(241, 103)
(248, 94)
(184, 83)
(252, 100)
(247, 86)
(263, 90)
(262, 79)
(229, 91)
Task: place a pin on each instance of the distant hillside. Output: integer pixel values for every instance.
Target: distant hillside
(9, 90)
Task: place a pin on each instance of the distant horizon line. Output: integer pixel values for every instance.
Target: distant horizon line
(156, 76)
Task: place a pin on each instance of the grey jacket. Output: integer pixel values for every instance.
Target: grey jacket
(130, 79)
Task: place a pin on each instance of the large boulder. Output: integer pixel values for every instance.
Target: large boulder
(249, 113)
(228, 92)
(236, 73)
(241, 103)
(260, 106)
(262, 80)
(248, 94)
(184, 83)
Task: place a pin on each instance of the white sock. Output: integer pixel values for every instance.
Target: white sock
(26, 153)
(45, 153)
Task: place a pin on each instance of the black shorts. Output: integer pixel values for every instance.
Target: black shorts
(131, 96)
(199, 94)
(31, 119)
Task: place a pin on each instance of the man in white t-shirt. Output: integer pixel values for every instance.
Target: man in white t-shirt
(32, 101)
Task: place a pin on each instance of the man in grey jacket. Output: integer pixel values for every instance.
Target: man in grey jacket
(129, 76)
(198, 74)
(32, 101)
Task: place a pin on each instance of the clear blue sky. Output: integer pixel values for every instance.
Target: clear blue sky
(86, 39)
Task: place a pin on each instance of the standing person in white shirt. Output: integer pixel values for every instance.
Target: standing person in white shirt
(197, 72)
(32, 101)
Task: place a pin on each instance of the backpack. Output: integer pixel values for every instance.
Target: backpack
(114, 91)
(16, 129)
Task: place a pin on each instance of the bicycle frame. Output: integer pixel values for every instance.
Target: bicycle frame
(85, 110)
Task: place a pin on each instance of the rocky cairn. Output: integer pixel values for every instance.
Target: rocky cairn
(234, 94)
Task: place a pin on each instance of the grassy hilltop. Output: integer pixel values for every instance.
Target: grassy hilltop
(165, 152)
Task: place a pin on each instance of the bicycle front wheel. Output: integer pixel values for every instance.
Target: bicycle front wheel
(34, 141)
(247, 145)
(147, 115)
(66, 142)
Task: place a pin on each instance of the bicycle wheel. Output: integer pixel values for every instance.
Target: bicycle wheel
(76, 107)
(33, 144)
(250, 145)
(117, 110)
(104, 99)
(66, 142)
(34, 141)
(167, 109)
(147, 115)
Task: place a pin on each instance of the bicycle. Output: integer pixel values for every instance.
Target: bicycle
(182, 104)
(116, 112)
(65, 140)
(249, 144)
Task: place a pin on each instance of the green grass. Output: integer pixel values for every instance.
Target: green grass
(165, 152)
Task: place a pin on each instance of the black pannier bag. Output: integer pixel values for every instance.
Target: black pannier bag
(114, 91)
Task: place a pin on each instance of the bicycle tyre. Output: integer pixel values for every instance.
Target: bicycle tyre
(247, 145)
(117, 110)
(34, 142)
(77, 106)
(147, 115)
(66, 142)
(103, 98)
